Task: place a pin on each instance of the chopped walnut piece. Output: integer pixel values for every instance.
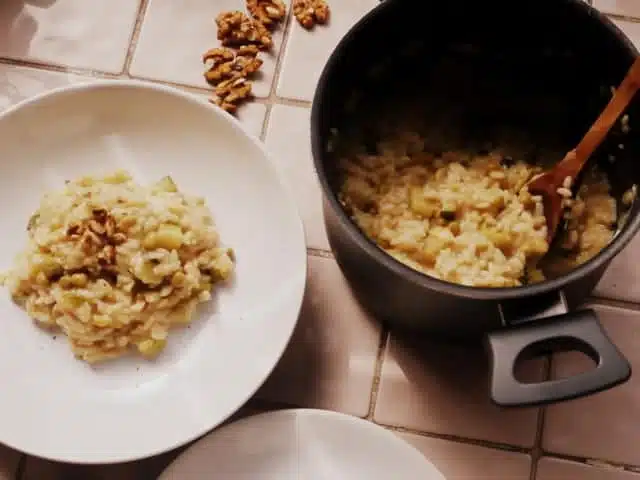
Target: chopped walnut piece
(118, 239)
(107, 256)
(247, 58)
(236, 29)
(224, 63)
(267, 12)
(218, 63)
(310, 12)
(96, 234)
(90, 242)
(231, 92)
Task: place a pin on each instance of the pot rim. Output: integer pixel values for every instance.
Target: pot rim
(619, 241)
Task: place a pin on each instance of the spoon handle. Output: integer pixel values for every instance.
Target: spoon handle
(598, 131)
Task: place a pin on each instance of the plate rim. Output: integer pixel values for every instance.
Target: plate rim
(90, 84)
(344, 418)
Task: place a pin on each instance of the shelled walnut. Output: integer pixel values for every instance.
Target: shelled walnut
(236, 29)
(224, 63)
(310, 12)
(227, 70)
(231, 92)
(267, 12)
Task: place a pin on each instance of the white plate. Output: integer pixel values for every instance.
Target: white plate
(60, 408)
(301, 445)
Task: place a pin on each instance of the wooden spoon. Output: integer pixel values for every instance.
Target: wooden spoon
(554, 184)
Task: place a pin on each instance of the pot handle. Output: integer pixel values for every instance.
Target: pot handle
(574, 331)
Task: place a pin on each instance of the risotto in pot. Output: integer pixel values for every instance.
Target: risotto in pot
(465, 216)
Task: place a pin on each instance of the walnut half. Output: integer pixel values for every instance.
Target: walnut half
(224, 63)
(236, 29)
(267, 12)
(228, 71)
(310, 12)
(231, 92)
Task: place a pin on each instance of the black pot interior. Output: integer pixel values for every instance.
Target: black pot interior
(528, 76)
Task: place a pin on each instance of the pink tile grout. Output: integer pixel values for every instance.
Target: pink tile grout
(316, 252)
(286, 25)
(618, 16)
(51, 67)
(133, 42)
(272, 99)
(291, 102)
(609, 302)
(382, 347)
(536, 451)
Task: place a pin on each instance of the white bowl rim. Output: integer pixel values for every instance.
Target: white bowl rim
(314, 414)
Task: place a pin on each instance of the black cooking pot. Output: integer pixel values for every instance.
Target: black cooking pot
(543, 67)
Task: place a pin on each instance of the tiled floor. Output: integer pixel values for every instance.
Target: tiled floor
(441, 389)
(175, 34)
(602, 426)
(461, 461)
(289, 142)
(73, 33)
(434, 396)
(557, 469)
(308, 53)
(330, 362)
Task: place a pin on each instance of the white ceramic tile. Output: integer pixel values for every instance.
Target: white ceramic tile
(9, 459)
(78, 33)
(174, 36)
(631, 30)
(307, 51)
(628, 8)
(331, 358)
(438, 388)
(604, 426)
(288, 139)
(18, 83)
(556, 469)
(459, 461)
(251, 115)
(621, 281)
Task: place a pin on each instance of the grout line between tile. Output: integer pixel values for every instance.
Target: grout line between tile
(454, 438)
(85, 72)
(618, 16)
(276, 74)
(515, 449)
(279, 59)
(593, 461)
(265, 123)
(82, 72)
(52, 67)
(377, 371)
(536, 452)
(292, 102)
(204, 90)
(610, 302)
(135, 35)
(316, 252)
